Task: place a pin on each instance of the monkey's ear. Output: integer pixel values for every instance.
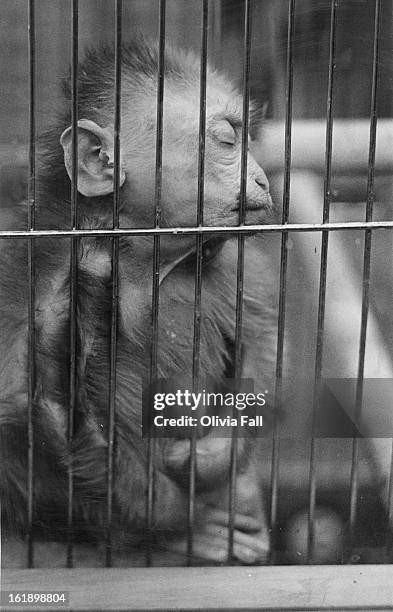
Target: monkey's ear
(95, 158)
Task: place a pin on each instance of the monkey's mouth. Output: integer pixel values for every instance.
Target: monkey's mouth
(264, 204)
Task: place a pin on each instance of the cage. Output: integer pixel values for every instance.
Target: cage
(322, 72)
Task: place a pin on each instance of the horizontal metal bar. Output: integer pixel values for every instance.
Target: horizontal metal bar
(190, 231)
(350, 138)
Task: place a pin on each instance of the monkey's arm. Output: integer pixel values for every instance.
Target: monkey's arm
(251, 541)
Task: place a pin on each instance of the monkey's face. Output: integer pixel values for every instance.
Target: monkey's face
(181, 167)
(222, 165)
(223, 175)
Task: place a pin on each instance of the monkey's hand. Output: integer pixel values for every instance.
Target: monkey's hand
(210, 540)
(213, 457)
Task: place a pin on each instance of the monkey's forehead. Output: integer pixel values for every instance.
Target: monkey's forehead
(181, 102)
(185, 102)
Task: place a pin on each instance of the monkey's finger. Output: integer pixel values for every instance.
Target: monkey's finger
(215, 548)
(241, 521)
(258, 543)
(244, 550)
(204, 547)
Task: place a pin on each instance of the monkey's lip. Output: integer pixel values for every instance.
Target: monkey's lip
(259, 208)
(264, 204)
(255, 207)
(256, 215)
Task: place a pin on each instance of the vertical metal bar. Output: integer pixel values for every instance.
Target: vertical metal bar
(283, 277)
(240, 260)
(74, 110)
(198, 272)
(31, 287)
(156, 268)
(115, 285)
(73, 275)
(323, 270)
(117, 117)
(366, 271)
(389, 505)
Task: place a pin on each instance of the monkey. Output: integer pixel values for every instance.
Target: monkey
(13, 183)
(179, 185)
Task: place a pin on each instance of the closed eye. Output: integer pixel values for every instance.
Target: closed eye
(224, 132)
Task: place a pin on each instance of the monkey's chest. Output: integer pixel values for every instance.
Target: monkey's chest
(210, 331)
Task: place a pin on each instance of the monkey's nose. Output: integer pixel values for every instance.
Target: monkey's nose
(262, 182)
